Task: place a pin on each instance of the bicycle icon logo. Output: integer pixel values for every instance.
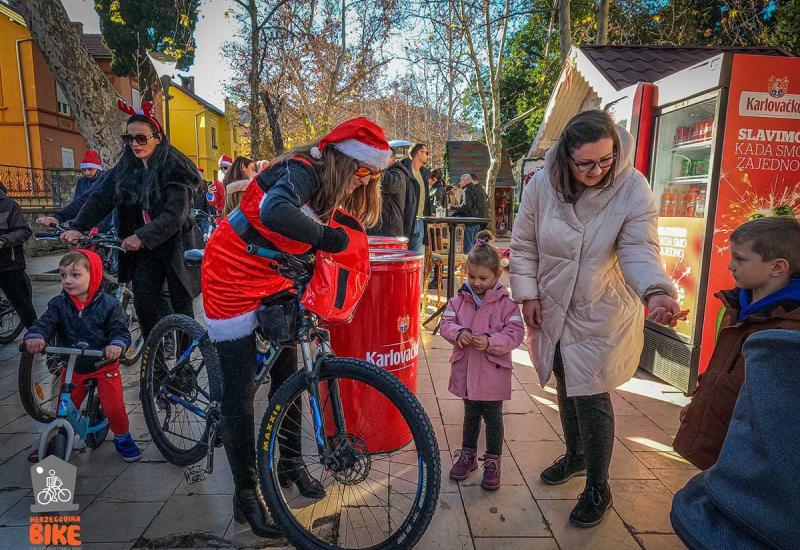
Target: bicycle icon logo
(53, 483)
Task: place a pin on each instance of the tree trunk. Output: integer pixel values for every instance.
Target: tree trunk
(92, 98)
(565, 30)
(255, 81)
(495, 147)
(602, 22)
(273, 113)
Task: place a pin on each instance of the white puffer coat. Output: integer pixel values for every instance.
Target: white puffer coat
(590, 264)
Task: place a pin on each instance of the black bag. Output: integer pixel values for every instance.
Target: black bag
(277, 319)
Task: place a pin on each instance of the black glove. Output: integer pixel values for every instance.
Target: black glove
(333, 240)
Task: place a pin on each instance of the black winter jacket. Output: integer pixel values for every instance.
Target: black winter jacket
(393, 202)
(14, 230)
(83, 189)
(474, 204)
(172, 230)
(102, 323)
(413, 195)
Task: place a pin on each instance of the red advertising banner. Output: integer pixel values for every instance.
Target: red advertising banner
(760, 167)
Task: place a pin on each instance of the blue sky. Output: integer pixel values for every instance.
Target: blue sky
(210, 68)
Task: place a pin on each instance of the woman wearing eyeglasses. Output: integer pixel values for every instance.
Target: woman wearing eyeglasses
(288, 207)
(584, 263)
(152, 187)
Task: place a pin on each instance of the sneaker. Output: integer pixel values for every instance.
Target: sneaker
(563, 469)
(466, 462)
(592, 505)
(491, 472)
(127, 448)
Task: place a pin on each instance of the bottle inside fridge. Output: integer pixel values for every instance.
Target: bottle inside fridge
(682, 163)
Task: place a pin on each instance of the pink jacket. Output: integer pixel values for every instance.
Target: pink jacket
(483, 375)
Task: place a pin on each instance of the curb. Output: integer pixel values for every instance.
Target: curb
(50, 277)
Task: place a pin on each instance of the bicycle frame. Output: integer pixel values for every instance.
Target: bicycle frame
(68, 416)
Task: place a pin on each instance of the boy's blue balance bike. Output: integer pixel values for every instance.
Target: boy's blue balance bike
(90, 425)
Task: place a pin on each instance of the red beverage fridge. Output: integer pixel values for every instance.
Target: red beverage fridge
(719, 158)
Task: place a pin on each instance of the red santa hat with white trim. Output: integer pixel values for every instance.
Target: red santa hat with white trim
(91, 160)
(360, 139)
(225, 161)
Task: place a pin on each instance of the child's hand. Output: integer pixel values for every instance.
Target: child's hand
(480, 343)
(113, 351)
(35, 345)
(465, 338)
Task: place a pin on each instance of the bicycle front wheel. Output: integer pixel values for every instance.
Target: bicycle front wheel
(380, 471)
(10, 323)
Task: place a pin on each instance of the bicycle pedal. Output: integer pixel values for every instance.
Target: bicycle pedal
(195, 474)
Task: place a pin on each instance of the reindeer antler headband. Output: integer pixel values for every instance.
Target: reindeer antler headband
(145, 110)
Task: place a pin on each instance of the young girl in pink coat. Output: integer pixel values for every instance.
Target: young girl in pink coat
(484, 325)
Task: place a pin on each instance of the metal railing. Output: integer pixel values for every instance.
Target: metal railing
(39, 188)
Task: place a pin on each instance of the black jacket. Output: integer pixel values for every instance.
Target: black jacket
(103, 322)
(83, 189)
(14, 230)
(413, 195)
(393, 202)
(438, 196)
(474, 203)
(172, 230)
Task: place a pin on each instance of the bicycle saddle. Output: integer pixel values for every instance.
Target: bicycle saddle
(194, 256)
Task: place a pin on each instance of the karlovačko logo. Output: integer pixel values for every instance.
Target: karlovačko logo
(53, 482)
(776, 102)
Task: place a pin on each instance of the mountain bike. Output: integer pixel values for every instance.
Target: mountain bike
(10, 323)
(375, 497)
(90, 424)
(106, 245)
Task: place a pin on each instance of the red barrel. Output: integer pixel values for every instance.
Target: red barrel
(385, 332)
(398, 243)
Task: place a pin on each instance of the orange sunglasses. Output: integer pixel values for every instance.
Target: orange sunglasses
(362, 171)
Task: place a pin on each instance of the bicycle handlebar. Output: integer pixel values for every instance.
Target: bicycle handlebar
(97, 239)
(81, 351)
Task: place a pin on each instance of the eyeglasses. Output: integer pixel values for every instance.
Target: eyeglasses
(140, 139)
(585, 167)
(362, 171)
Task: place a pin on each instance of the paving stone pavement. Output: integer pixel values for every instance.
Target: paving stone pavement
(149, 500)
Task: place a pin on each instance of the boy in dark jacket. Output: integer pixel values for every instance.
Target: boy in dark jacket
(765, 263)
(84, 313)
(14, 230)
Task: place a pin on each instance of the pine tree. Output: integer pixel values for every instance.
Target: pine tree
(131, 28)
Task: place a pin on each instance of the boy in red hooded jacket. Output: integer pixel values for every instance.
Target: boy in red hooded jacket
(84, 313)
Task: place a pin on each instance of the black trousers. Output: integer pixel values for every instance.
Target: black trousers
(17, 287)
(147, 282)
(492, 414)
(588, 422)
(239, 367)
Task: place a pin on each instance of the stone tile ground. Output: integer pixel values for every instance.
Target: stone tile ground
(121, 503)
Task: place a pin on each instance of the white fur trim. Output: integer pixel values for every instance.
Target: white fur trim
(360, 151)
(315, 152)
(220, 330)
(87, 165)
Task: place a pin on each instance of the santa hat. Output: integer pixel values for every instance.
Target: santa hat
(360, 139)
(225, 161)
(91, 160)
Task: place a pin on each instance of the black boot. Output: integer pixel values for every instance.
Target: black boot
(291, 467)
(238, 438)
(592, 505)
(563, 469)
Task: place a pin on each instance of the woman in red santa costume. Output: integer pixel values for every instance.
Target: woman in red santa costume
(286, 207)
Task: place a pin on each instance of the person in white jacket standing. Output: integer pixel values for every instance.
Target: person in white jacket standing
(584, 262)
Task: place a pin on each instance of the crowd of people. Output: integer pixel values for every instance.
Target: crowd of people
(585, 272)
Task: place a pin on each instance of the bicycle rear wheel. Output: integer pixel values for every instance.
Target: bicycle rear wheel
(10, 323)
(134, 351)
(39, 380)
(177, 388)
(381, 490)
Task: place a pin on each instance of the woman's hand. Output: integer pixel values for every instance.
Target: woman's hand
(71, 236)
(132, 244)
(661, 309)
(532, 313)
(480, 343)
(465, 338)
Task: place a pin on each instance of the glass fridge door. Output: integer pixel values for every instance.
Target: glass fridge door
(681, 171)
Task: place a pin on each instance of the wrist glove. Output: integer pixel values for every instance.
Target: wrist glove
(333, 239)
